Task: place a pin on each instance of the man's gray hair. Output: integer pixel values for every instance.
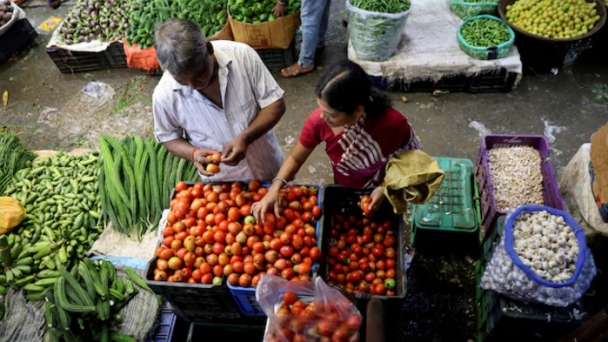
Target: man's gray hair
(180, 46)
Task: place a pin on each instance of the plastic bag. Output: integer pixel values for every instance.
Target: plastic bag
(374, 35)
(511, 273)
(327, 314)
(11, 214)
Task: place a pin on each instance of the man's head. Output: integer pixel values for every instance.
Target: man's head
(183, 51)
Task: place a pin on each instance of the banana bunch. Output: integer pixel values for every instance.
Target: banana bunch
(84, 301)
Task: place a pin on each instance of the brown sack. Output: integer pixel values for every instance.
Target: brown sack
(276, 34)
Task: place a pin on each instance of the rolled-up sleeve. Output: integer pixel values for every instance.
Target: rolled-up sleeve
(166, 127)
(265, 88)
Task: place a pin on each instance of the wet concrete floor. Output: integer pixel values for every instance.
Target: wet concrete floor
(47, 107)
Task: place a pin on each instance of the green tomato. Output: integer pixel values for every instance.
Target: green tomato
(389, 284)
(271, 17)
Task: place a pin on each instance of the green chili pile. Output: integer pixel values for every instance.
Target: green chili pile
(485, 32)
(382, 6)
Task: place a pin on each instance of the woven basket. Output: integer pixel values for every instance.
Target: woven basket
(601, 11)
(486, 53)
(466, 10)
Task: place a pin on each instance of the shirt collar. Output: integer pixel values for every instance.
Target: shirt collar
(223, 61)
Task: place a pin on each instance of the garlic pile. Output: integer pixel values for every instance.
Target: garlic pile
(546, 244)
(516, 176)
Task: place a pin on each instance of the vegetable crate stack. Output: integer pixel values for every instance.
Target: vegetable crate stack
(511, 171)
(530, 284)
(450, 219)
(214, 253)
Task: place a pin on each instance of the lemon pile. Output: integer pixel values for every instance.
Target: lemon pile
(553, 18)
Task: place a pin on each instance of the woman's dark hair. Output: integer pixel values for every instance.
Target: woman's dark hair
(345, 86)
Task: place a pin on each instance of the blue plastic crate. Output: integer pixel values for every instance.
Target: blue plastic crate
(245, 296)
(167, 323)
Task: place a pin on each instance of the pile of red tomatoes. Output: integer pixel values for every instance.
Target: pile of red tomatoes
(210, 234)
(316, 321)
(362, 255)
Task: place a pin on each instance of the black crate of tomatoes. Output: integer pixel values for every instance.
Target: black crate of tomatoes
(363, 254)
(301, 318)
(211, 241)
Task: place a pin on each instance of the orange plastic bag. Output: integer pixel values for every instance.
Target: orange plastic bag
(141, 58)
(303, 311)
(11, 214)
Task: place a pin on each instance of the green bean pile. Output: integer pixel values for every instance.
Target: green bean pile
(382, 6)
(478, 1)
(485, 32)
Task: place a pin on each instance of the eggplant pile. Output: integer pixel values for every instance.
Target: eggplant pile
(6, 12)
(89, 20)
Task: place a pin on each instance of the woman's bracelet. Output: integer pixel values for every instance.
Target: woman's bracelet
(281, 179)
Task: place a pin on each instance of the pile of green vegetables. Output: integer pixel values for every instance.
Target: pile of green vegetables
(14, 157)
(84, 302)
(63, 220)
(485, 32)
(209, 15)
(382, 6)
(136, 178)
(90, 20)
(257, 12)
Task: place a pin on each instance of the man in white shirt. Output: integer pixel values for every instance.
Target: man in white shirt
(221, 95)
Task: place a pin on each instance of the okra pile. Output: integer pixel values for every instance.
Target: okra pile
(485, 32)
(63, 220)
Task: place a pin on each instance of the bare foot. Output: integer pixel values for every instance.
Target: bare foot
(295, 70)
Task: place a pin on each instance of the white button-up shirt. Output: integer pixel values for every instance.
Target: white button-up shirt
(246, 85)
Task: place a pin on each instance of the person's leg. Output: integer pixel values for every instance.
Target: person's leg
(311, 15)
(374, 328)
(324, 25)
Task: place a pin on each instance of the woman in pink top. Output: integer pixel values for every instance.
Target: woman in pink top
(360, 129)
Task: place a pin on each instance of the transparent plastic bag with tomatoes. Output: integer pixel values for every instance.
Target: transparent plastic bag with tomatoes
(303, 311)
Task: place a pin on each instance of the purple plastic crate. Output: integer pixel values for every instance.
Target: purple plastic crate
(489, 210)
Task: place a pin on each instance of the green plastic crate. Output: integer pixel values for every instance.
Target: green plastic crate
(453, 210)
(499, 318)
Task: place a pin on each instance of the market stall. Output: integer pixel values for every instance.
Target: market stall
(118, 34)
(434, 45)
(15, 31)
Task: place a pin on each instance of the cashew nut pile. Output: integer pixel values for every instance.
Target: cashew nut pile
(546, 244)
(516, 176)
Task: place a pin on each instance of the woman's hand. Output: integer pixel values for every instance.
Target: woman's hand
(270, 200)
(377, 197)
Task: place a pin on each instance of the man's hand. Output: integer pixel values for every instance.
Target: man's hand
(235, 151)
(201, 160)
(377, 197)
(278, 10)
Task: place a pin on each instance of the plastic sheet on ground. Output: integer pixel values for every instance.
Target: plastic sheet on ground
(429, 51)
(18, 14)
(23, 321)
(111, 242)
